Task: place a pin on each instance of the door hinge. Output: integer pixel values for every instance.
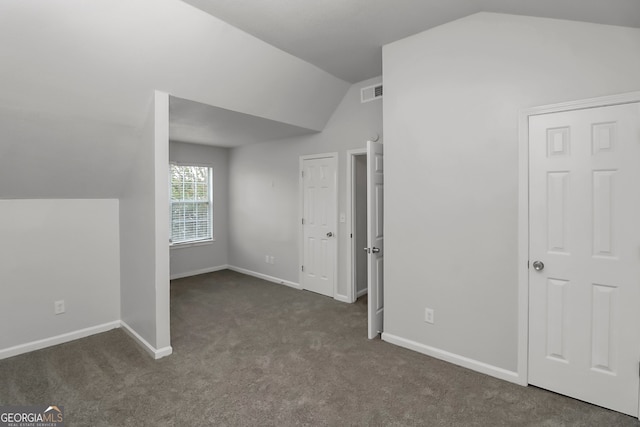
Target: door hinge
(302, 221)
(302, 268)
(528, 264)
(351, 235)
(302, 173)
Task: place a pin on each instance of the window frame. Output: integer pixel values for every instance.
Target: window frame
(199, 242)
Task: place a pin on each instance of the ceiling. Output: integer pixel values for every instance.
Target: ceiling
(198, 123)
(344, 37)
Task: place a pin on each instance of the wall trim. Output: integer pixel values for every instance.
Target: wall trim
(197, 272)
(265, 277)
(362, 292)
(465, 362)
(58, 339)
(342, 298)
(523, 208)
(154, 352)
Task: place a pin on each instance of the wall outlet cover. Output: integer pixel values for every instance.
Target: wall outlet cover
(429, 315)
(58, 307)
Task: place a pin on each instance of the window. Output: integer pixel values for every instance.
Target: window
(191, 204)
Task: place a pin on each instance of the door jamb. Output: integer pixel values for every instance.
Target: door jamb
(334, 156)
(523, 209)
(351, 283)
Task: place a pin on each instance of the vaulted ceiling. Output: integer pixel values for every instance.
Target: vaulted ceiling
(77, 79)
(344, 37)
(204, 124)
(77, 76)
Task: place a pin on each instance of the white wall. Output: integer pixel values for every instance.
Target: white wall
(452, 96)
(130, 48)
(45, 156)
(144, 234)
(188, 260)
(57, 250)
(263, 189)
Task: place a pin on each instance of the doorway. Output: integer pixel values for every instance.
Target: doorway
(365, 206)
(583, 281)
(357, 213)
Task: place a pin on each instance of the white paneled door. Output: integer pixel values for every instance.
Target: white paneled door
(319, 223)
(584, 276)
(375, 237)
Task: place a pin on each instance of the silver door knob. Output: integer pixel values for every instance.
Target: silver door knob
(329, 234)
(538, 265)
(367, 250)
(375, 250)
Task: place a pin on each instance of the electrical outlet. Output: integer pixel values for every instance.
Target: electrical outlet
(429, 315)
(272, 260)
(58, 307)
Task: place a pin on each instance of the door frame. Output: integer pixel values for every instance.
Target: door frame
(334, 156)
(523, 209)
(351, 250)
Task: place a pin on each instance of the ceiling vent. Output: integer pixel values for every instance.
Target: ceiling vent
(370, 93)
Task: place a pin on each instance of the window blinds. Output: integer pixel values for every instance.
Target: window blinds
(191, 204)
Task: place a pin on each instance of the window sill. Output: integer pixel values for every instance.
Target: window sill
(191, 244)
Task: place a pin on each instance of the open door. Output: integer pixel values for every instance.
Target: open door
(375, 236)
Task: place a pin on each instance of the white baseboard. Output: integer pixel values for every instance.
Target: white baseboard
(58, 339)
(196, 272)
(154, 352)
(342, 298)
(456, 359)
(265, 277)
(83, 333)
(361, 292)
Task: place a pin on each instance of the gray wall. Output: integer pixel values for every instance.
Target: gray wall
(188, 260)
(57, 250)
(144, 233)
(452, 97)
(263, 189)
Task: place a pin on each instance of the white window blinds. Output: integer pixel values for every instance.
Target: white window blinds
(191, 204)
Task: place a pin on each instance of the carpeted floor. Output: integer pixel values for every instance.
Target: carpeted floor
(252, 353)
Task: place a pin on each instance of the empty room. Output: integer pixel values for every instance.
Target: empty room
(319, 213)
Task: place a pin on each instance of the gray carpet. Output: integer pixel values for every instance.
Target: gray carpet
(248, 352)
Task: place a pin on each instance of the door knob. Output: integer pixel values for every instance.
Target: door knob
(329, 234)
(538, 265)
(367, 250)
(375, 250)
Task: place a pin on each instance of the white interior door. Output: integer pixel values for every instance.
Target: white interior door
(584, 316)
(375, 236)
(319, 223)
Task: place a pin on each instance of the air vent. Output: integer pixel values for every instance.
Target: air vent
(370, 93)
